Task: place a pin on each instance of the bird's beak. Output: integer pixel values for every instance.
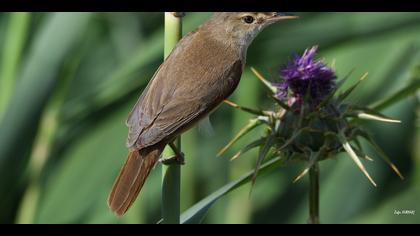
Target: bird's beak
(278, 16)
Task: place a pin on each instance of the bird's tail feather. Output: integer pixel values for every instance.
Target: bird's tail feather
(131, 178)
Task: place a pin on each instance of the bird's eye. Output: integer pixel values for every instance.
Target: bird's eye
(248, 19)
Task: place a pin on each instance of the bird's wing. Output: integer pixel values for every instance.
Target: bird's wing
(187, 86)
(184, 107)
(139, 117)
(153, 97)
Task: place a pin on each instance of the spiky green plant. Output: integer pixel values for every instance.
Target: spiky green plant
(312, 122)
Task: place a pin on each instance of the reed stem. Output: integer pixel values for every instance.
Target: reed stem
(171, 174)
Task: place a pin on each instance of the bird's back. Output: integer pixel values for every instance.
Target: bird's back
(199, 73)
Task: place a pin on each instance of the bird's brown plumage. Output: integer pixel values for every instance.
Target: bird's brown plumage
(174, 100)
(203, 69)
(171, 100)
(132, 177)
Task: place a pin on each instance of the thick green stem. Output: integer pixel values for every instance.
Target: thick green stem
(314, 194)
(171, 175)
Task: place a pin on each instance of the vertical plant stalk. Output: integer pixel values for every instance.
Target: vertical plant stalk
(314, 194)
(11, 54)
(171, 174)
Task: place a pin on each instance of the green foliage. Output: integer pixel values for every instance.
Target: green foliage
(104, 60)
(196, 213)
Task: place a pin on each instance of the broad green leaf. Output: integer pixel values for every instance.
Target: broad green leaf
(78, 186)
(59, 34)
(196, 213)
(403, 93)
(11, 55)
(44, 142)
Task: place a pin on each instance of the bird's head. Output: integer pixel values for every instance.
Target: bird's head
(244, 26)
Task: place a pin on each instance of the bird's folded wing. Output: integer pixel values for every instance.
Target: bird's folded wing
(186, 88)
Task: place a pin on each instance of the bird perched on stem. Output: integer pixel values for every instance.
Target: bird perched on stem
(202, 70)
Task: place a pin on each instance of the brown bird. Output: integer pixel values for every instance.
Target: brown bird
(202, 70)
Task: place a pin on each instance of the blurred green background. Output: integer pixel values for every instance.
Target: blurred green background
(68, 81)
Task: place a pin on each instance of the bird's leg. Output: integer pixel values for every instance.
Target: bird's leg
(177, 159)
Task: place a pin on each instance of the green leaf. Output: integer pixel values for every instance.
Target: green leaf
(11, 55)
(253, 123)
(403, 93)
(261, 155)
(249, 147)
(264, 81)
(132, 74)
(381, 153)
(58, 35)
(196, 213)
(45, 139)
(84, 176)
(245, 109)
(346, 93)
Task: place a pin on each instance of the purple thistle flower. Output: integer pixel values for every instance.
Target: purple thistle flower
(306, 76)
